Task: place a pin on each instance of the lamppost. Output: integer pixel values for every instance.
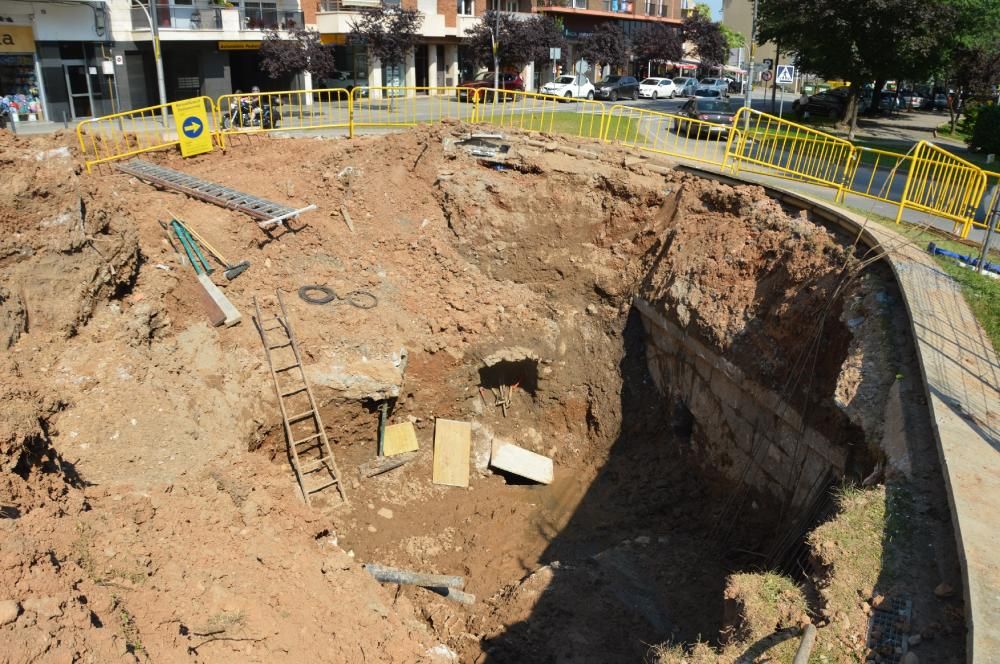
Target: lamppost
(157, 56)
(495, 39)
(749, 83)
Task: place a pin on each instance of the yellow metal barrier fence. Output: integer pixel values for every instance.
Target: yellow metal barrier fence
(944, 185)
(407, 106)
(788, 149)
(288, 110)
(990, 198)
(531, 111)
(665, 133)
(129, 133)
(878, 174)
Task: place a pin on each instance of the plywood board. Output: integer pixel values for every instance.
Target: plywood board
(517, 460)
(399, 438)
(452, 445)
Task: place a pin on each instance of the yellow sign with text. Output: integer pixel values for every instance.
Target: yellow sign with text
(239, 45)
(17, 39)
(192, 127)
(333, 40)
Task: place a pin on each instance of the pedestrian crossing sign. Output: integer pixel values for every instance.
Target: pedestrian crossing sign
(786, 75)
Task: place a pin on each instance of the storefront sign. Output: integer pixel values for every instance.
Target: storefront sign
(192, 127)
(334, 40)
(239, 45)
(16, 39)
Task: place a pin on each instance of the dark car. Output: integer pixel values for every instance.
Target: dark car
(485, 81)
(617, 87)
(716, 116)
(828, 104)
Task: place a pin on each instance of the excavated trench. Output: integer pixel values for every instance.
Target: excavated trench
(690, 355)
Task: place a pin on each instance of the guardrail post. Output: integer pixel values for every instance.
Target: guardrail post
(909, 178)
(350, 112)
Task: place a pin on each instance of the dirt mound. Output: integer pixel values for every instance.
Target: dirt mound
(141, 520)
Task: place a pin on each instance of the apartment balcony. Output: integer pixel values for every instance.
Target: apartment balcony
(217, 19)
(639, 9)
(335, 16)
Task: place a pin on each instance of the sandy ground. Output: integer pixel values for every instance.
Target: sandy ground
(149, 507)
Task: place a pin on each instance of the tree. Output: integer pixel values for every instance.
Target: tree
(733, 39)
(390, 32)
(657, 41)
(606, 45)
(303, 51)
(862, 40)
(520, 40)
(709, 42)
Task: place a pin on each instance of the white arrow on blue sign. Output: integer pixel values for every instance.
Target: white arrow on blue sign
(786, 75)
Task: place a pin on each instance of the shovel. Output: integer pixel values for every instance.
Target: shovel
(232, 270)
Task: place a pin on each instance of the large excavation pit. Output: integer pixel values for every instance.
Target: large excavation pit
(723, 383)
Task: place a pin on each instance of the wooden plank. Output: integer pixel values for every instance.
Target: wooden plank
(452, 445)
(232, 315)
(522, 462)
(398, 439)
(215, 314)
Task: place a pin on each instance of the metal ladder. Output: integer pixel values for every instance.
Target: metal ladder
(308, 446)
(267, 213)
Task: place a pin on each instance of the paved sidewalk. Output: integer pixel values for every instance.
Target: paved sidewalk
(961, 375)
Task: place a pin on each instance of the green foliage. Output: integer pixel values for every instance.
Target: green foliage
(606, 45)
(520, 40)
(986, 129)
(982, 293)
(707, 37)
(657, 41)
(303, 51)
(733, 38)
(390, 32)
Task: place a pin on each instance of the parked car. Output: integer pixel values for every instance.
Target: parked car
(711, 93)
(467, 90)
(913, 100)
(618, 87)
(657, 88)
(829, 103)
(720, 84)
(346, 81)
(716, 117)
(570, 87)
(685, 86)
(940, 102)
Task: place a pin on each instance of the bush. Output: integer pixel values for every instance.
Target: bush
(986, 131)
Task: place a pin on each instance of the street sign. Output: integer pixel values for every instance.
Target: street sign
(768, 64)
(765, 76)
(786, 75)
(555, 53)
(192, 126)
(582, 67)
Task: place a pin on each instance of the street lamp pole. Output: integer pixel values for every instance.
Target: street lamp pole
(749, 82)
(157, 56)
(496, 49)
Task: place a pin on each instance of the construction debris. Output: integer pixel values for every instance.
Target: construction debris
(385, 574)
(399, 438)
(452, 446)
(384, 464)
(513, 459)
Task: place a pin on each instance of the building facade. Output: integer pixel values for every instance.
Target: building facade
(738, 15)
(69, 59)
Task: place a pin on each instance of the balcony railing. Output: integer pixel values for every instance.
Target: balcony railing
(657, 9)
(567, 4)
(354, 5)
(618, 6)
(210, 17)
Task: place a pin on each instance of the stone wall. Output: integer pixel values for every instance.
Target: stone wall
(735, 420)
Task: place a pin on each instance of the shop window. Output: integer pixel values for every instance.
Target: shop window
(466, 8)
(19, 87)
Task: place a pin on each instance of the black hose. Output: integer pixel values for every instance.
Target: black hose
(329, 295)
(359, 298)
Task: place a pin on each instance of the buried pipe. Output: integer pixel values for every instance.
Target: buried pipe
(401, 576)
(806, 646)
(968, 260)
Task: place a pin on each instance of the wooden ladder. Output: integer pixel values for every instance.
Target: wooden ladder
(309, 449)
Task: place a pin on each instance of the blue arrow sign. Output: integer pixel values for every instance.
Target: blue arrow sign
(193, 127)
